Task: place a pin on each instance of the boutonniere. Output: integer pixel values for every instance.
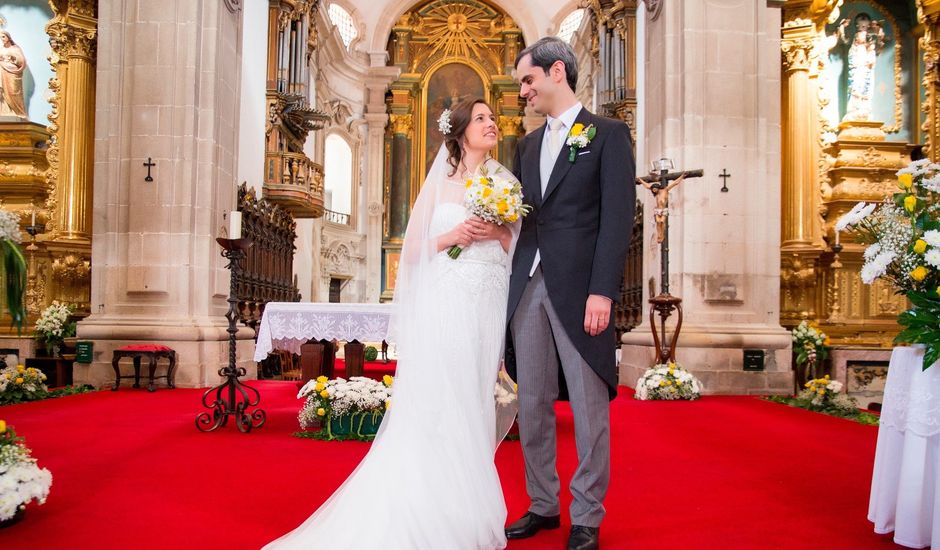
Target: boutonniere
(579, 138)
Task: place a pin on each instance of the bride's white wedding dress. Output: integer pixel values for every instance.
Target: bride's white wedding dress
(429, 480)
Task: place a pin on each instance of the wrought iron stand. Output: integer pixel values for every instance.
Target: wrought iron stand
(232, 398)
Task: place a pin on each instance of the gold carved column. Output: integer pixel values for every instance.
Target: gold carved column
(800, 234)
(67, 240)
(928, 13)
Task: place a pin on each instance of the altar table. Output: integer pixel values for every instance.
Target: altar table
(905, 487)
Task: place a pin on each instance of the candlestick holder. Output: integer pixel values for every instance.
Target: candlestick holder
(231, 397)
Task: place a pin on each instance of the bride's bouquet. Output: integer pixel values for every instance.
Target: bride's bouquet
(495, 198)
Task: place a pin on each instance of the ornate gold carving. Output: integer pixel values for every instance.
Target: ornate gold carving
(71, 268)
(510, 125)
(796, 54)
(401, 124)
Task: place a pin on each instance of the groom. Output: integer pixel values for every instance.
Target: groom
(566, 273)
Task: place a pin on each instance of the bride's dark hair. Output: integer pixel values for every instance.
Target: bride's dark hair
(459, 120)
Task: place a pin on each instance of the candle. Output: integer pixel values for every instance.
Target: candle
(234, 224)
(34, 217)
(837, 238)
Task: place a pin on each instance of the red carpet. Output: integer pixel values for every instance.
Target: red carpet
(131, 471)
(371, 369)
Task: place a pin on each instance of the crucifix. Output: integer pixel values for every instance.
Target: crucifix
(660, 184)
(149, 164)
(724, 175)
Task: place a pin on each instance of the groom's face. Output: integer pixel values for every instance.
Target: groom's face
(538, 87)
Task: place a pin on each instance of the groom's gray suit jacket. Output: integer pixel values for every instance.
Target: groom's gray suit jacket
(581, 227)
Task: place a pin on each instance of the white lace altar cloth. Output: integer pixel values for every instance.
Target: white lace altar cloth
(905, 493)
(288, 325)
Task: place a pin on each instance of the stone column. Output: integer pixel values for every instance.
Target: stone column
(712, 76)
(380, 76)
(168, 89)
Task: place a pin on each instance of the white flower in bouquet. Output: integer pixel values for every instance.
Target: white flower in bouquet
(858, 213)
(496, 198)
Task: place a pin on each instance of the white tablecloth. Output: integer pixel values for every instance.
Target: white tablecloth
(288, 325)
(905, 486)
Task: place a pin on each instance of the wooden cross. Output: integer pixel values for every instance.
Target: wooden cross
(149, 164)
(724, 175)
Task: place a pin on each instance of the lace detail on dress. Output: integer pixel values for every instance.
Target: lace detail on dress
(482, 266)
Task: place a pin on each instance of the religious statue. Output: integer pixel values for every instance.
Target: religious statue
(864, 48)
(662, 203)
(12, 67)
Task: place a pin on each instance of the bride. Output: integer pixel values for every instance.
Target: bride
(429, 480)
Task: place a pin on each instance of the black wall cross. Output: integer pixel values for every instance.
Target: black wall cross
(149, 164)
(724, 175)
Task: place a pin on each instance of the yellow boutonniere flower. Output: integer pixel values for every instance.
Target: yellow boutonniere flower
(910, 203)
(905, 181)
(579, 138)
(920, 273)
(920, 246)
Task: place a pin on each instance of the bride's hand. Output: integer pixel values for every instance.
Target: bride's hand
(482, 230)
(461, 235)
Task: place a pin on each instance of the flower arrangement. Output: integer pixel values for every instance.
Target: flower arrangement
(18, 383)
(667, 382)
(825, 396)
(811, 347)
(21, 480)
(903, 238)
(495, 198)
(579, 137)
(355, 406)
(54, 326)
(13, 267)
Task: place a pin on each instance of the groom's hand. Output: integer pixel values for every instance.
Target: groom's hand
(597, 314)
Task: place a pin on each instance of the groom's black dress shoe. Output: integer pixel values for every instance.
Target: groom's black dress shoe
(584, 538)
(530, 524)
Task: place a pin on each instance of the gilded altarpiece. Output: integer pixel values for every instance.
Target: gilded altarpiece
(446, 50)
(853, 112)
(46, 173)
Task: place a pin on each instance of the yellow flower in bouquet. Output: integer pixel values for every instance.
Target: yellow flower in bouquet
(496, 198)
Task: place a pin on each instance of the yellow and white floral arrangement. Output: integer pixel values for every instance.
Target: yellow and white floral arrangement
(21, 479)
(496, 198)
(903, 238)
(667, 382)
(18, 383)
(351, 408)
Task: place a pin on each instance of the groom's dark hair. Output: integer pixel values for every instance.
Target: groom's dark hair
(547, 51)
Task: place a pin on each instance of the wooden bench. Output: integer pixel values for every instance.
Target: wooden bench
(153, 353)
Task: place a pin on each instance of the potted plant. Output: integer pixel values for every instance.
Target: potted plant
(54, 326)
(24, 480)
(345, 409)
